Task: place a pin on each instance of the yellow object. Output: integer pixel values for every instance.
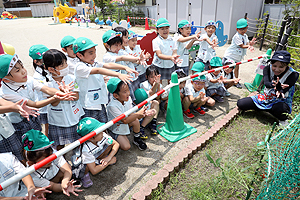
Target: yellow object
(63, 12)
(9, 49)
(7, 15)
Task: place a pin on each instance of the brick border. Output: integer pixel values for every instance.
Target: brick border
(163, 175)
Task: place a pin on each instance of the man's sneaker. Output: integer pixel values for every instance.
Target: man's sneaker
(188, 114)
(86, 181)
(152, 128)
(204, 108)
(227, 94)
(199, 110)
(218, 99)
(238, 85)
(142, 133)
(139, 143)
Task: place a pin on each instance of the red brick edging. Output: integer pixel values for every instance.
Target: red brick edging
(163, 175)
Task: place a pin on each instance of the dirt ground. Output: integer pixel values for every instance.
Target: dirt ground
(134, 167)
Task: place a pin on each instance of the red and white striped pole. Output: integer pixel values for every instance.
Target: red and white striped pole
(75, 144)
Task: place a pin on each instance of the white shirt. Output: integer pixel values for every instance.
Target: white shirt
(136, 52)
(234, 51)
(213, 85)
(15, 93)
(114, 109)
(91, 87)
(39, 77)
(166, 46)
(42, 176)
(147, 86)
(72, 64)
(91, 152)
(6, 128)
(206, 52)
(189, 89)
(110, 57)
(66, 113)
(182, 51)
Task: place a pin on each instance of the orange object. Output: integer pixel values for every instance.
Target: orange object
(128, 20)
(146, 24)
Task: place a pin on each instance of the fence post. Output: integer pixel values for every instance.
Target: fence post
(263, 37)
(246, 16)
(284, 39)
(280, 34)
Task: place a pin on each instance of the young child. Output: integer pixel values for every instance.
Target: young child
(16, 86)
(208, 42)
(66, 45)
(184, 43)
(229, 78)
(239, 45)
(165, 50)
(152, 84)
(196, 94)
(63, 115)
(115, 43)
(120, 103)
(215, 80)
(149, 121)
(25, 189)
(184, 99)
(57, 174)
(42, 75)
(135, 50)
(89, 80)
(98, 152)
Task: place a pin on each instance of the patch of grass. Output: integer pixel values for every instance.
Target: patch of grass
(233, 161)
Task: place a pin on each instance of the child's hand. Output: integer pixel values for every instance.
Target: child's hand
(251, 48)
(125, 78)
(252, 42)
(129, 70)
(202, 96)
(221, 79)
(65, 88)
(105, 161)
(71, 188)
(70, 96)
(106, 78)
(236, 80)
(148, 56)
(214, 44)
(157, 79)
(142, 112)
(197, 36)
(150, 112)
(37, 193)
(25, 110)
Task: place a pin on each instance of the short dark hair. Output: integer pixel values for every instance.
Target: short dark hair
(152, 69)
(116, 40)
(123, 30)
(33, 156)
(119, 86)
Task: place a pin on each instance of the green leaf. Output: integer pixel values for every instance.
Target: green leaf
(245, 168)
(218, 162)
(239, 159)
(210, 159)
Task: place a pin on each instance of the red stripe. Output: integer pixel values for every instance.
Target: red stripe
(195, 75)
(115, 120)
(45, 161)
(250, 60)
(160, 92)
(142, 104)
(1, 188)
(224, 67)
(238, 63)
(86, 137)
(259, 57)
(210, 71)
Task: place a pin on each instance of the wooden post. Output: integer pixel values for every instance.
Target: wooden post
(265, 28)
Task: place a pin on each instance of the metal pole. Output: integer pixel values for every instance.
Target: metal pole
(246, 16)
(265, 28)
(283, 42)
(280, 34)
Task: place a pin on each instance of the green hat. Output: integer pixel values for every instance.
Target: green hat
(110, 34)
(162, 22)
(87, 125)
(112, 84)
(198, 67)
(211, 22)
(82, 43)
(35, 140)
(7, 62)
(132, 35)
(241, 23)
(216, 62)
(140, 95)
(201, 78)
(36, 51)
(67, 41)
(184, 23)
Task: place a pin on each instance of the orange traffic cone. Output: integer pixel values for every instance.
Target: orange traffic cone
(146, 24)
(128, 20)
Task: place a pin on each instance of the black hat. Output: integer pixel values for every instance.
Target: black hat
(282, 56)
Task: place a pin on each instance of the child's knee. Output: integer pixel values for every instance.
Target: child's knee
(125, 146)
(210, 102)
(135, 123)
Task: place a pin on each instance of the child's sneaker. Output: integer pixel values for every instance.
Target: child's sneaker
(142, 133)
(199, 110)
(204, 108)
(152, 128)
(188, 114)
(227, 94)
(139, 143)
(86, 181)
(238, 85)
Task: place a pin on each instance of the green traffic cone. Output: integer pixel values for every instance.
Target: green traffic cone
(256, 82)
(175, 128)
